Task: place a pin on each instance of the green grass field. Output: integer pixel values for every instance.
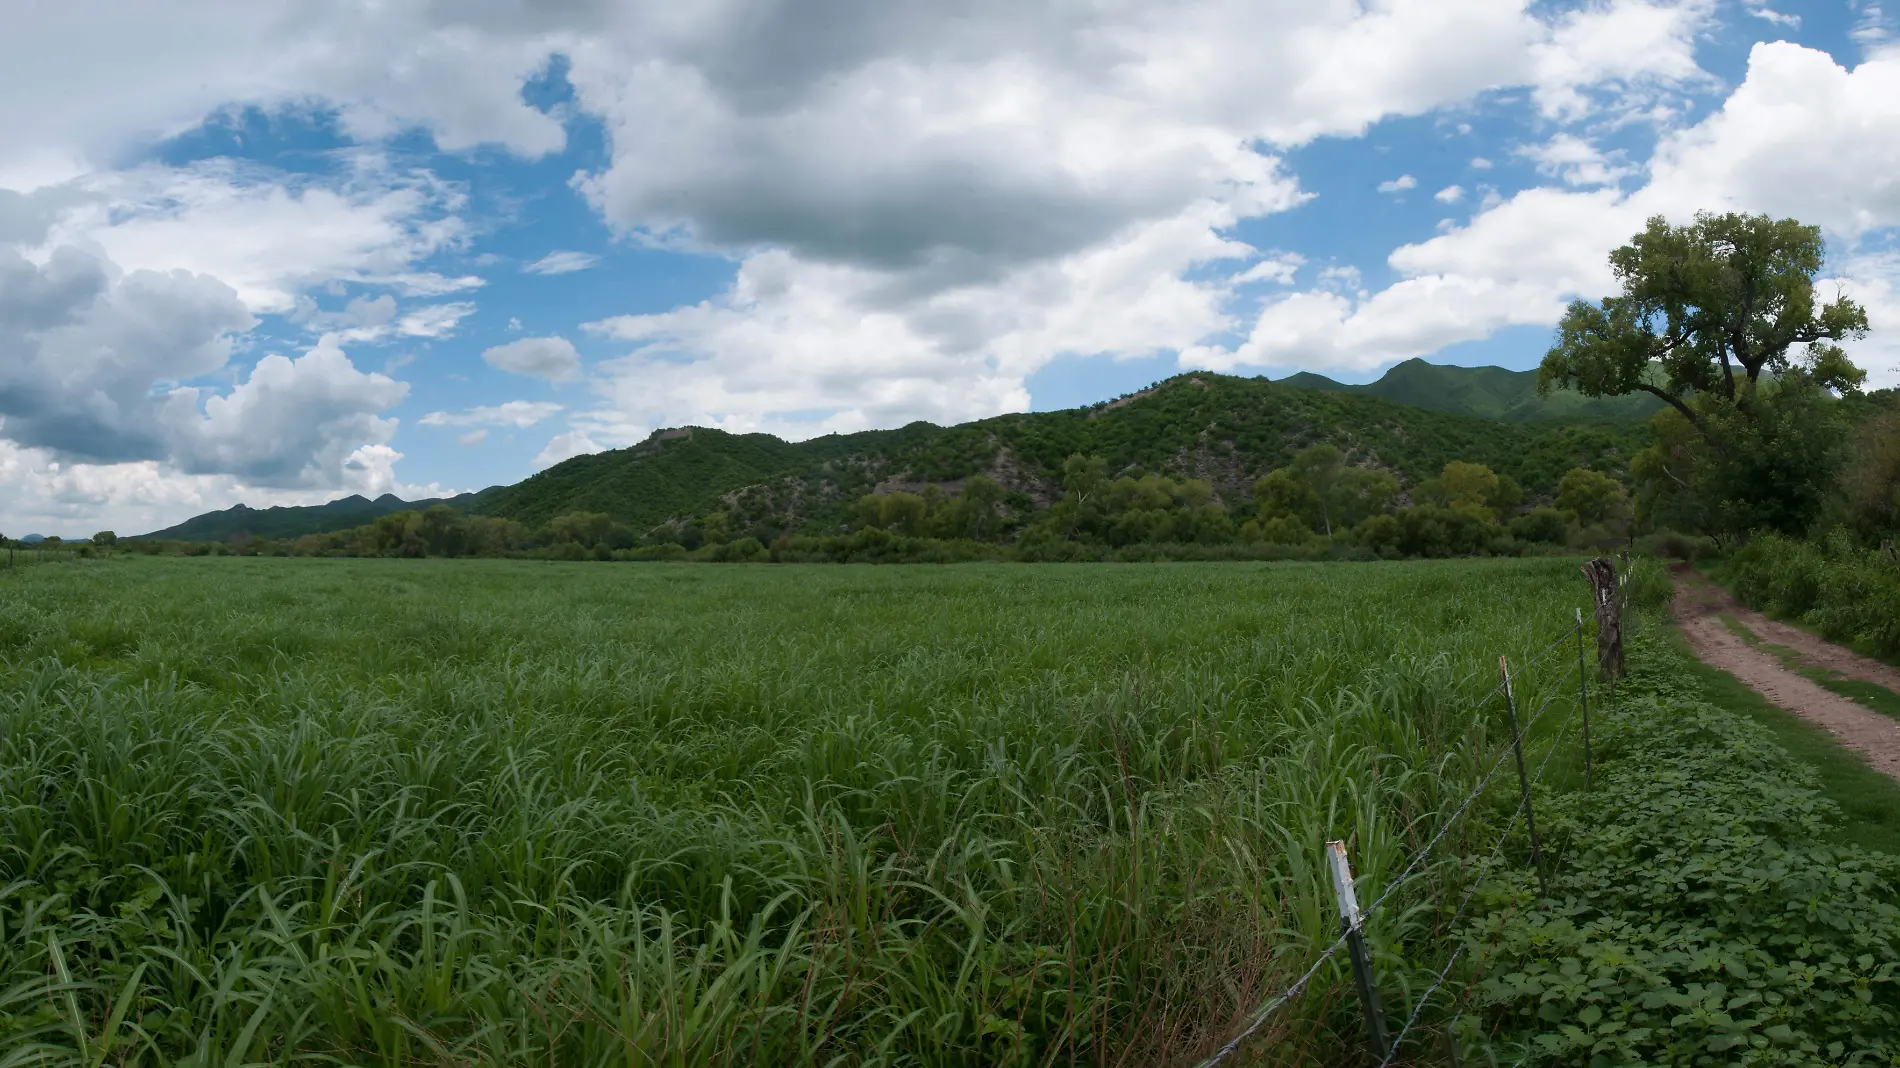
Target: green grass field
(262, 810)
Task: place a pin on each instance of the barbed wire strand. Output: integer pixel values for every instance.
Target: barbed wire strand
(1261, 1016)
(1424, 999)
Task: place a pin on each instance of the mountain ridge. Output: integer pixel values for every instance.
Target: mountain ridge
(1226, 429)
(1491, 392)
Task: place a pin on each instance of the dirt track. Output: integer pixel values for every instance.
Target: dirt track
(1699, 603)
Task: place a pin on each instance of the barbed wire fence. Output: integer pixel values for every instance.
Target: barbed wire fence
(1354, 919)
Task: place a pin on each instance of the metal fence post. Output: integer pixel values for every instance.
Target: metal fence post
(1583, 695)
(1356, 946)
(1523, 778)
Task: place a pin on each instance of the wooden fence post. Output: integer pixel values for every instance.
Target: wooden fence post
(1356, 947)
(1609, 610)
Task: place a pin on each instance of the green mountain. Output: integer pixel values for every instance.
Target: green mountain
(293, 522)
(1489, 392)
(1227, 430)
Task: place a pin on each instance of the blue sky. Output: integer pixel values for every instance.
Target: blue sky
(277, 254)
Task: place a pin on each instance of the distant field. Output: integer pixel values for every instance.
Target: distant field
(532, 813)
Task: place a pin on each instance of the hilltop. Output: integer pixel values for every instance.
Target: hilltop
(290, 522)
(1225, 429)
(1487, 392)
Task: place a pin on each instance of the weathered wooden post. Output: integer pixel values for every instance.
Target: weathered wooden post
(1356, 947)
(1609, 609)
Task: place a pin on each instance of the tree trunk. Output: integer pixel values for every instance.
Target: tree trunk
(1609, 608)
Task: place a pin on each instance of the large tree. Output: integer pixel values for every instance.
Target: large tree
(1720, 319)
(1705, 310)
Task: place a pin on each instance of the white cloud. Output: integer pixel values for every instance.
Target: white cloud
(1638, 51)
(41, 493)
(562, 262)
(1277, 267)
(434, 320)
(550, 358)
(1761, 10)
(794, 337)
(1576, 161)
(1479, 163)
(269, 235)
(1399, 184)
(1451, 194)
(515, 413)
(566, 446)
(1801, 136)
(472, 438)
(95, 365)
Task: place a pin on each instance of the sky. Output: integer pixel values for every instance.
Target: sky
(282, 251)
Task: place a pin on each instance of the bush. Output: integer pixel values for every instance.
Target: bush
(1546, 525)
(1649, 586)
(1778, 574)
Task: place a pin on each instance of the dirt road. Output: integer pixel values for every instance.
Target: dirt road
(1698, 607)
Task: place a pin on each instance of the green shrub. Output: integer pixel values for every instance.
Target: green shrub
(1546, 525)
(1649, 586)
(1848, 593)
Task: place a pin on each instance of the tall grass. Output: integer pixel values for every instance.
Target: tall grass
(517, 813)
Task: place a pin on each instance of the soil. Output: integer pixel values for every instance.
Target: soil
(1698, 607)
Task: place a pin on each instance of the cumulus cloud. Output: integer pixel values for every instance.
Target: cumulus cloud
(472, 438)
(269, 235)
(1802, 136)
(1576, 161)
(550, 358)
(96, 365)
(562, 262)
(47, 494)
(515, 413)
(1399, 184)
(1451, 194)
(795, 337)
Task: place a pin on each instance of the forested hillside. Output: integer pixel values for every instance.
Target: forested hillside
(1228, 431)
(1488, 392)
(290, 522)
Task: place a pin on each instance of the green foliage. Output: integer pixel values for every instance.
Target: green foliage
(1543, 525)
(1699, 915)
(1726, 294)
(1591, 496)
(366, 812)
(1847, 593)
(1870, 479)
(1709, 319)
(1431, 531)
(1486, 392)
(1226, 431)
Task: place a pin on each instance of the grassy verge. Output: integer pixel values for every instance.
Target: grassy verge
(1702, 908)
(1869, 801)
(1871, 696)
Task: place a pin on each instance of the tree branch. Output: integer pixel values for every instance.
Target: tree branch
(1687, 413)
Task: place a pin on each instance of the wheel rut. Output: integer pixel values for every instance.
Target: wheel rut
(1699, 608)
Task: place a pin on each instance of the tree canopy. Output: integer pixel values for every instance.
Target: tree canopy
(1708, 309)
(1720, 319)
